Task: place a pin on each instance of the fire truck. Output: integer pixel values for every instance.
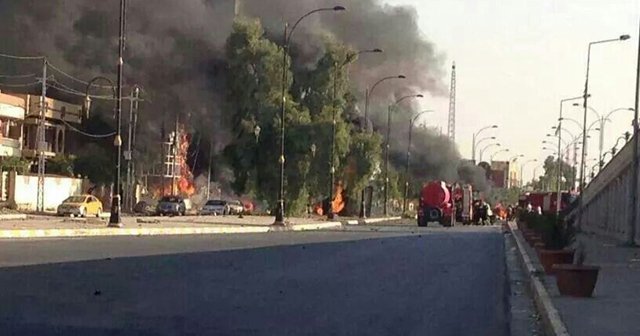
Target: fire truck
(445, 204)
(547, 201)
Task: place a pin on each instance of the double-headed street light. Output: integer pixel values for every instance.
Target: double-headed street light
(279, 216)
(406, 182)
(475, 144)
(498, 152)
(516, 157)
(386, 154)
(602, 120)
(332, 161)
(497, 144)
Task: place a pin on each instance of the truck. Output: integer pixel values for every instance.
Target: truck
(445, 204)
(547, 201)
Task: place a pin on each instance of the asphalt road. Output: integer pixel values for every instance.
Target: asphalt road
(395, 281)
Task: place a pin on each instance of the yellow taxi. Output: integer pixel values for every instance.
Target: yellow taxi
(81, 205)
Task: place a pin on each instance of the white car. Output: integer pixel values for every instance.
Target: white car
(235, 207)
(215, 207)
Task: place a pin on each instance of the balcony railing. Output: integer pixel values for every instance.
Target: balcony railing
(9, 142)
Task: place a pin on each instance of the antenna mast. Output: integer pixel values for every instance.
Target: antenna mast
(451, 129)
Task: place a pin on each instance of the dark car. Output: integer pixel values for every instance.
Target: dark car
(171, 205)
(146, 207)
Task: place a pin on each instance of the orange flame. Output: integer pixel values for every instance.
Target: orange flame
(337, 204)
(185, 182)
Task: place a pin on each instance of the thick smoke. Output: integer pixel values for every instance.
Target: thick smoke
(175, 50)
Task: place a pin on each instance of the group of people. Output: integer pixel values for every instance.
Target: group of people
(482, 213)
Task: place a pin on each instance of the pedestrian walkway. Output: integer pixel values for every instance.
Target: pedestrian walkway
(614, 309)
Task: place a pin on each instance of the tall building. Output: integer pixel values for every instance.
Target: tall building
(19, 120)
(500, 174)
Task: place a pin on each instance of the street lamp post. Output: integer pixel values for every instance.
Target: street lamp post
(584, 118)
(114, 219)
(332, 167)
(474, 144)
(487, 147)
(368, 93)
(386, 154)
(406, 183)
(279, 216)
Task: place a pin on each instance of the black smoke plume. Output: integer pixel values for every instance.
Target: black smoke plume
(174, 50)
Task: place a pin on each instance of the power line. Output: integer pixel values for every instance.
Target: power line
(23, 58)
(76, 78)
(98, 136)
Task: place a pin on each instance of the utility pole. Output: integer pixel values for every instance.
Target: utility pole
(386, 163)
(210, 164)
(133, 117)
(164, 154)
(114, 219)
(40, 143)
(174, 174)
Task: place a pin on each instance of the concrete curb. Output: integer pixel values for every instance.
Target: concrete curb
(71, 233)
(370, 220)
(140, 231)
(13, 217)
(550, 317)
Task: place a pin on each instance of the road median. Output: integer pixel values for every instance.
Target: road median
(94, 227)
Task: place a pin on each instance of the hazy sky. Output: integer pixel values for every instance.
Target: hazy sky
(516, 59)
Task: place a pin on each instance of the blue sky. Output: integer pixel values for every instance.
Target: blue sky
(516, 59)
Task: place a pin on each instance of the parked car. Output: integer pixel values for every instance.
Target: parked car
(235, 207)
(81, 205)
(172, 205)
(146, 207)
(215, 207)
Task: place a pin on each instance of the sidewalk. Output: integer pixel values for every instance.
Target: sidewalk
(614, 309)
(45, 226)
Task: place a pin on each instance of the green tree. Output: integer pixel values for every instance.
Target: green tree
(253, 99)
(324, 91)
(20, 165)
(548, 181)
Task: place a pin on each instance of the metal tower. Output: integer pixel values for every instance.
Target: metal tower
(451, 130)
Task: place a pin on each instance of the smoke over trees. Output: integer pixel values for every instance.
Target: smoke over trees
(223, 84)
